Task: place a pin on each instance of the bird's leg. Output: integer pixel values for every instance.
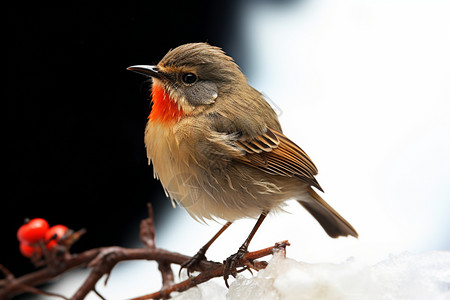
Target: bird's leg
(200, 255)
(230, 262)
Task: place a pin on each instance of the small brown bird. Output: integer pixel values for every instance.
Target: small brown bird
(218, 149)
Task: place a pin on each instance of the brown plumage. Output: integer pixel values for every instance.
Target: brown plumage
(217, 146)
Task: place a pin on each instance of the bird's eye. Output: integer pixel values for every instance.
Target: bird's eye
(189, 78)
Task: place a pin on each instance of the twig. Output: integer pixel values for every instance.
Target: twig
(103, 260)
(166, 273)
(216, 271)
(147, 229)
(13, 286)
(148, 235)
(33, 290)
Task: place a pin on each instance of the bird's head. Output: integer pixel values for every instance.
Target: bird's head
(188, 79)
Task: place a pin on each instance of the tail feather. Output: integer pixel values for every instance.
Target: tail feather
(333, 223)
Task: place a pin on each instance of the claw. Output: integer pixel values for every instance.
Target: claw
(248, 266)
(192, 263)
(230, 265)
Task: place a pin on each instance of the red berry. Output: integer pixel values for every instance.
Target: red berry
(28, 251)
(54, 234)
(33, 231)
(51, 244)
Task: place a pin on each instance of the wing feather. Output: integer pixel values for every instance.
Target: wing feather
(275, 154)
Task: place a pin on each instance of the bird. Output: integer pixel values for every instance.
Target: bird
(218, 149)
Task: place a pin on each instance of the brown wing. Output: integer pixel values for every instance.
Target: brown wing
(275, 154)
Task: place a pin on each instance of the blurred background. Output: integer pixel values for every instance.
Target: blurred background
(362, 86)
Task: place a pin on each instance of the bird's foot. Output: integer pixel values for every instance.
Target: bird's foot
(231, 262)
(191, 264)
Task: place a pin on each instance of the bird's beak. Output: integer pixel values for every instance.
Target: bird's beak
(150, 71)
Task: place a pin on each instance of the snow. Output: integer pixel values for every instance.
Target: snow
(404, 276)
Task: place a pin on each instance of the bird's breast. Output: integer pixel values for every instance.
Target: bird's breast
(162, 151)
(177, 173)
(164, 110)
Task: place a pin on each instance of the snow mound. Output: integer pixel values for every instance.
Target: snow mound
(405, 276)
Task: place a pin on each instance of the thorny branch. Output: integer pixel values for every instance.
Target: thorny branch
(101, 261)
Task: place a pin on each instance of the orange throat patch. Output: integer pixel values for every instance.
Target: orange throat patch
(164, 109)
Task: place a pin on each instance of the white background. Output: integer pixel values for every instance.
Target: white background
(364, 88)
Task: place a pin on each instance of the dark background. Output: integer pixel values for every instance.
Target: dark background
(76, 117)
